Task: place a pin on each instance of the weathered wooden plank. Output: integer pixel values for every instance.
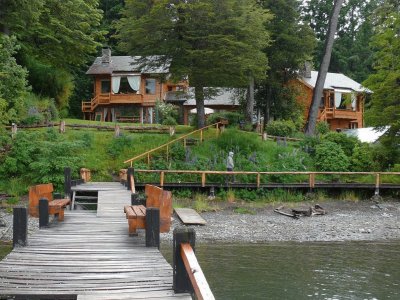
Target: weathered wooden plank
(190, 216)
(87, 255)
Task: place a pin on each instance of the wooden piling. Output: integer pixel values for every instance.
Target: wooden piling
(181, 280)
(153, 227)
(67, 182)
(128, 178)
(20, 226)
(43, 213)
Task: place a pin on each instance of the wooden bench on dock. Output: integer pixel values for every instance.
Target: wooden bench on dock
(155, 198)
(45, 191)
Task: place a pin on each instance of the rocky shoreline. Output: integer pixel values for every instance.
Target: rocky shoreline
(344, 221)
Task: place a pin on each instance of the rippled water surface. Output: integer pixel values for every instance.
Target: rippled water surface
(358, 270)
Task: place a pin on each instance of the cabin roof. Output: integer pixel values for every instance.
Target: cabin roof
(335, 81)
(136, 64)
(225, 96)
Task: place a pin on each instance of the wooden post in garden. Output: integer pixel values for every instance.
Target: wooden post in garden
(67, 182)
(20, 226)
(43, 213)
(153, 227)
(14, 130)
(117, 131)
(62, 126)
(264, 136)
(181, 281)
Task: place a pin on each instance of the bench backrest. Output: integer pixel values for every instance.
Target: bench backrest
(157, 197)
(36, 193)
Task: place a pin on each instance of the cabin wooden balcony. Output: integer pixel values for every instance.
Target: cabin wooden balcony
(110, 99)
(329, 113)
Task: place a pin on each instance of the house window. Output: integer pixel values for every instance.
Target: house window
(150, 86)
(105, 86)
(124, 87)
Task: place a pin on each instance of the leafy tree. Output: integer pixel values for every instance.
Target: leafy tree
(214, 43)
(385, 82)
(323, 70)
(13, 83)
(292, 44)
(55, 37)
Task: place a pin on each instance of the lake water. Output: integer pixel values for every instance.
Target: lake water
(343, 270)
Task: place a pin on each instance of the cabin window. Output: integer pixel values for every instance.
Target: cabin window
(124, 87)
(105, 86)
(150, 86)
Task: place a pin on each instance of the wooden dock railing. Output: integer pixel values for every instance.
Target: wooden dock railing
(188, 276)
(257, 181)
(147, 154)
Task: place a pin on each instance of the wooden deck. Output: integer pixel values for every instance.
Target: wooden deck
(88, 256)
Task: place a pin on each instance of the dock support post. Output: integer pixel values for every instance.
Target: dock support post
(20, 226)
(128, 178)
(67, 182)
(43, 213)
(181, 283)
(153, 227)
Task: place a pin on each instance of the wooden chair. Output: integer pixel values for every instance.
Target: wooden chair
(56, 207)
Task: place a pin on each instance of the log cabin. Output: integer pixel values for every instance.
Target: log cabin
(126, 90)
(342, 103)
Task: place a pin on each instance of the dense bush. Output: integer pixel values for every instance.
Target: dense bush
(362, 159)
(118, 144)
(322, 128)
(233, 118)
(347, 143)
(281, 128)
(40, 157)
(330, 157)
(166, 111)
(309, 143)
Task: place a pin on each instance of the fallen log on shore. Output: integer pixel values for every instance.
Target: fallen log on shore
(306, 212)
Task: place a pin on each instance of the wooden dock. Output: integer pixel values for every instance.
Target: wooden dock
(88, 256)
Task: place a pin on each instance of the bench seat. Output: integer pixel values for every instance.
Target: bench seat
(156, 198)
(136, 215)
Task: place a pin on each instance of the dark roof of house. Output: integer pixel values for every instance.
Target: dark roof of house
(135, 64)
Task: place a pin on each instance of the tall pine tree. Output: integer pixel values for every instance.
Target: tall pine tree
(214, 43)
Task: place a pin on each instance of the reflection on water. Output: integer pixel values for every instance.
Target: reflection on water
(358, 270)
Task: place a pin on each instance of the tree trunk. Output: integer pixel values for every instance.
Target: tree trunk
(323, 70)
(250, 101)
(199, 96)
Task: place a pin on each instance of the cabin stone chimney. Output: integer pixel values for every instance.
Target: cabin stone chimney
(306, 71)
(105, 55)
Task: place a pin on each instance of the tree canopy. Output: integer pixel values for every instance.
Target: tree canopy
(385, 82)
(214, 43)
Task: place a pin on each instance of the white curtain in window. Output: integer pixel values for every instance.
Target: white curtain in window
(134, 82)
(338, 99)
(353, 100)
(116, 80)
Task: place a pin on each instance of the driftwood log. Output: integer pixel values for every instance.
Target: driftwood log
(297, 212)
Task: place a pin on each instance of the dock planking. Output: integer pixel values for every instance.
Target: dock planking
(189, 216)
(88, 256)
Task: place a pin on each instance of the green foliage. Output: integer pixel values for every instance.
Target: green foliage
(118, 144)
(322, 128)
(362, 159)
(347, 143)
(41, 158)
(166, 113)
(232, 117)
(281, 128)
(13, 83)
(330, 157)
(309, 143)
(385, 81)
